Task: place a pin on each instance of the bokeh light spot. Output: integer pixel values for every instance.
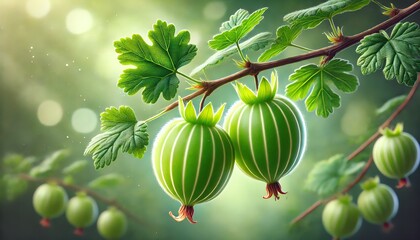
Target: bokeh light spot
(84, 120)
(214, 10)
(79, 21)
(50, 113)
(38, 8)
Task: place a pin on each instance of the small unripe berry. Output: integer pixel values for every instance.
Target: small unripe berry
(49, 201)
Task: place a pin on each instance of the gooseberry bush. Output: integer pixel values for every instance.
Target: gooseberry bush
(263, 133)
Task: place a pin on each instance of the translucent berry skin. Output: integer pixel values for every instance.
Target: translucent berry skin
(50, 200)
(81, 211)
(396, 154)
(341, 217)
(268, 136)
(192, 162)
(112, 224)
(378, 203)
(193, 158)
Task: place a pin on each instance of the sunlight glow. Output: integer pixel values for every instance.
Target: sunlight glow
(50, 113)
(214, 10)
(79, 21)
(84, 120)
(38, 8)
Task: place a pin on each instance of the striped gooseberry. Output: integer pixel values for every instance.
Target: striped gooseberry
(112, 223)
(193, 158)
(268, 134)
(49, 201)
(341, 217)
(378, 203)
(81, 212)
(396, 154)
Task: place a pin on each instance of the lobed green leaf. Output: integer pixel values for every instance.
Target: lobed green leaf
(313, 16)
(285, 36)
(75, 167)
(121, 131)
(105, 181)
(390, 105)
(257, 42)
(238, 26)
(398, 54)
(328, 176)
(320, 79)
(155, 65)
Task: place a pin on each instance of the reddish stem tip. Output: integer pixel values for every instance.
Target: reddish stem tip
(78, 232)
(45, 222)
(387, 227)
(184, 212)
(273, 189)
(403, 182)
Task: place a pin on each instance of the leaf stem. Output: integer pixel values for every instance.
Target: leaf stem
(189, 78)
(240, 52)
(380, 5)
(333, 27)
(300, 47)
(155, 116)
(93, 194)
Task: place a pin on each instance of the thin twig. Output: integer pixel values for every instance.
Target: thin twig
(90, 192)
(360, 149)
(387, 121)
(318, 203)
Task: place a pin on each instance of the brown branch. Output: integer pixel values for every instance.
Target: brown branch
(360, 149)
(387, 121)
(90, 192)
(329, 52)
(318, 203)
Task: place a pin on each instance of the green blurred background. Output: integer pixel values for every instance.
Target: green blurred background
(58, 71)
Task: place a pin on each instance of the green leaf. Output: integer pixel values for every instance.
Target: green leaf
(391, 105)
(121, 131)
(257, 42)
(156, 64)
(312, 17)
(398, 54)
(328, 176)
(238, 26)
(285, 36)
(105, 181)
(14, 186)
(75, 167)
(321, 78)
(50, 164)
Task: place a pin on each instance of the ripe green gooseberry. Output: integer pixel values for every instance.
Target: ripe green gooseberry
(378, 203)
(341, 217)
(268, 133)
(193, 158)
(49, 201)
(112, 223)
(81, 212)
(396, 154)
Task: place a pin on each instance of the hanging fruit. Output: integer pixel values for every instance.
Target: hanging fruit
(81, 212)
(396, 154)
(112, 223)
(193, 158)
(341, 218)
(378, 203)
(49, 201)
(268, 133)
